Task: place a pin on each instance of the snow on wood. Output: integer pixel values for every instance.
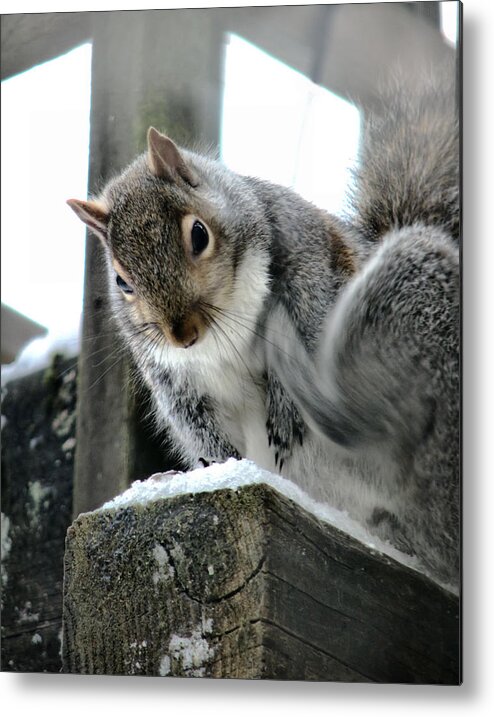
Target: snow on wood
(39, 354)
(234, 474)
(228, 571)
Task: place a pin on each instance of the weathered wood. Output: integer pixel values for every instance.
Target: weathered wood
(17, 331)
(368, 39)
(247, 584)
(31, 38)
(38, 439)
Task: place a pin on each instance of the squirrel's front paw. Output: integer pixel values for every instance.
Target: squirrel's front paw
(202, 463)
(285, 429)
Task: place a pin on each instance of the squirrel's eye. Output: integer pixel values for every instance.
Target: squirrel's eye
(199, 237)
(124, 286)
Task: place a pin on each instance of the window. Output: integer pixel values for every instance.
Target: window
(280, 126)
(449, 20)
(45, 141)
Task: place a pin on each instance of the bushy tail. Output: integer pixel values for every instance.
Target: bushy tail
(409, 168)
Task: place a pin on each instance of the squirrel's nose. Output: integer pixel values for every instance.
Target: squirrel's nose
(184, 333)
(191, 340)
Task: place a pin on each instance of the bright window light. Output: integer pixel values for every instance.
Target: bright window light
(45, 145)
(449, 20)
(280, 126)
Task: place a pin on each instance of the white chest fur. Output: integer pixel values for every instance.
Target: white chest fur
(228, 363)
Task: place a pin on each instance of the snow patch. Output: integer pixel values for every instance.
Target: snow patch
(192, 652)
(39, 354)
(64, 423)
(137, 657)
(60, 639)
(37, 494)
(36, 639)
(134, 645)
(69, 444)
(233, 474)
(165, 666)
(35, 442)
(26, 615)
(5, 547)
(165, 571)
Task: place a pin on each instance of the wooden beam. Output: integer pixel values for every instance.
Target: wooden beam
(244, 583)
(29, 39)
(17, 331)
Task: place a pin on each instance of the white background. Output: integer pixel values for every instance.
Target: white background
(45, 127)
(55, 695)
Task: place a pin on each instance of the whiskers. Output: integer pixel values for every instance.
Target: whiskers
(245, 327)
(146, 338)
(236, 340)
(225, 328)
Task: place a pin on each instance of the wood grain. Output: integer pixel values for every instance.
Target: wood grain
(251, 586)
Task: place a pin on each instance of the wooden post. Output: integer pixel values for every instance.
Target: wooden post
(134, 84)
(244, 583)
(38, 439)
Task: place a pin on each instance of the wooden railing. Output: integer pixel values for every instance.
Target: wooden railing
(246, 584)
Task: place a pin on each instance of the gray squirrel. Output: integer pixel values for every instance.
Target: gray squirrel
(322, 348)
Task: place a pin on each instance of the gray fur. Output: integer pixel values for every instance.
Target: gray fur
(386, 380)
(409, 168)
(332, 353)
(386, 375)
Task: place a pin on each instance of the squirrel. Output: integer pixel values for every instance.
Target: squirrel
(322, 348)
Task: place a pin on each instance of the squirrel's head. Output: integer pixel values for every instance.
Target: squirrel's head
(170, 239)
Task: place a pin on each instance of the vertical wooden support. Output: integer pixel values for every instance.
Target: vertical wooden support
(135, 83)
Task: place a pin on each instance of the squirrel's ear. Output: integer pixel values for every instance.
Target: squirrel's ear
(93, 214)
(165, 160)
